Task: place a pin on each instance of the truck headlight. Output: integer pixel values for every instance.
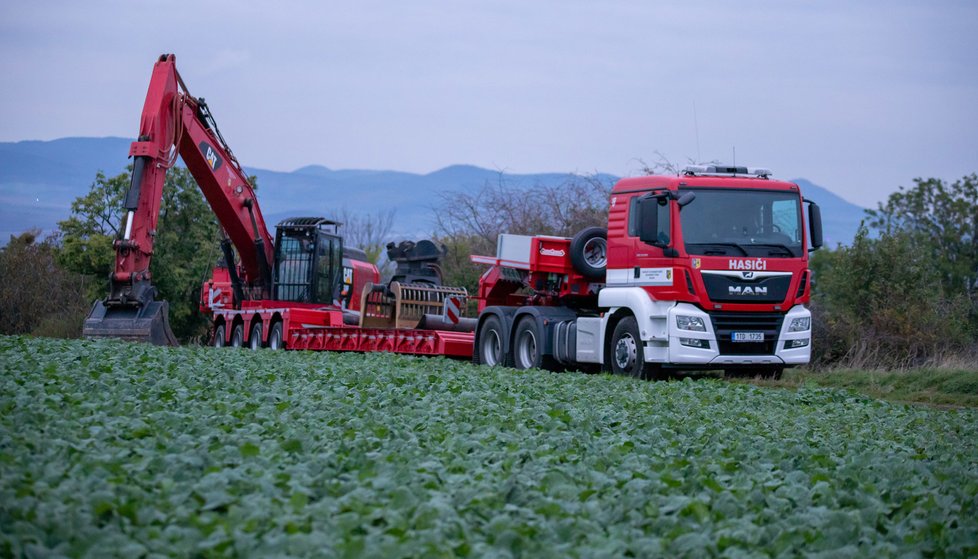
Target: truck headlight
(691, 323)
(800, 324)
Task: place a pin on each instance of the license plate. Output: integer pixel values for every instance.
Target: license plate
(747, 336)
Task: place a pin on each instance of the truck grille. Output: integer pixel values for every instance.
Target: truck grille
(726, 323)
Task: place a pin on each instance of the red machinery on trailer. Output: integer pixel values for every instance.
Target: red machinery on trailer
(301, 290)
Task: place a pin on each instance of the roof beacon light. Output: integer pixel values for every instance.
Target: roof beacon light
(726, 170)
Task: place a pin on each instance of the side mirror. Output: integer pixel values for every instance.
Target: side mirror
(815, 224)
(648, 216)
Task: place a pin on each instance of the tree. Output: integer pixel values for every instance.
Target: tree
(946, 215)
(470, 223)
(186, 246)
(905, 291)
(368, 232)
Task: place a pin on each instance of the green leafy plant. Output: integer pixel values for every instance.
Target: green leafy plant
(114, 449)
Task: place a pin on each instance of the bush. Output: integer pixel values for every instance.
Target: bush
(882, 303)
(37, 296)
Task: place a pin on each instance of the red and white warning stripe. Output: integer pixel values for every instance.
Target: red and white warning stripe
(452, 312)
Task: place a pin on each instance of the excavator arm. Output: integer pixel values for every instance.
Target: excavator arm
(176, 123)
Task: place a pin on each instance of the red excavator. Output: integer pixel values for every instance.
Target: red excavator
(306, 265)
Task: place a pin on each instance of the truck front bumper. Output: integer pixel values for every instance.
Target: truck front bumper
(702, 348)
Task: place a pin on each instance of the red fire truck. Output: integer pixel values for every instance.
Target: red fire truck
(704, 270)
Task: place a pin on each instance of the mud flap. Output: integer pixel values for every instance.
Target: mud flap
(144, 323)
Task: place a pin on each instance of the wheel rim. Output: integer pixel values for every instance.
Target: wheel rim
(219, 336)
(255, 341)
(492, 347)
(626, 352)
(275, 338)
(596, 252)
(237, 338)
(527, 349)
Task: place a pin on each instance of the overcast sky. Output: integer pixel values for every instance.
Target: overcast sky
(860, 97)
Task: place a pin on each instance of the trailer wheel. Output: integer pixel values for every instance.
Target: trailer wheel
(237, 336)
(219, 335)
(589, 252)
(528, 345)
(255, 339)
(627, 354)
(275, 336)
(490, 349)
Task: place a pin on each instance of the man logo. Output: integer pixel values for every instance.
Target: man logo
(747, 290)
(747, 275)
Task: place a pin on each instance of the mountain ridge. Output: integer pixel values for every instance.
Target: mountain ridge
(40, 178)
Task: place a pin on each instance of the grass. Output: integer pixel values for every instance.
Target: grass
(931, 386)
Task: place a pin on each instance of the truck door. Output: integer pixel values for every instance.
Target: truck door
(643, 263)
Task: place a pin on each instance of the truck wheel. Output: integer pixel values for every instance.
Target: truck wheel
(237, 336)
(589, 252)
(528, 345)
(219, 333)
(490, 349)
(627, 355)
(275, 336)
(255, 338)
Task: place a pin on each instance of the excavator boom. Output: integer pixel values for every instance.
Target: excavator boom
(175, 123)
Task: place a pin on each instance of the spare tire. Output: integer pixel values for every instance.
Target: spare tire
(589, 252)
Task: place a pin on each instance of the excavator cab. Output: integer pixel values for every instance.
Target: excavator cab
(308, 264)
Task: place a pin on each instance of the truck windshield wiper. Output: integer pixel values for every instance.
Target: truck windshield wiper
(780, 246)
(734, 245)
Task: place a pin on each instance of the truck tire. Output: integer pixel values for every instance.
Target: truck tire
(528, 345)
(490, 348)
(589, 252)
(219, 335)
(275, 336)
(627, 355)
(255, 339)
(237, 336)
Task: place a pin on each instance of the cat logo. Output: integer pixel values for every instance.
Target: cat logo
(210, 155)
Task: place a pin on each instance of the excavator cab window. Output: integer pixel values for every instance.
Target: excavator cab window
(329, 268)
(295, 250)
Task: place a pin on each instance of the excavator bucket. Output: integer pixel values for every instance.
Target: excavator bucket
(143, 323)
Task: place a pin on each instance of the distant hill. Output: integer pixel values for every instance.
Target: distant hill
(39, 180)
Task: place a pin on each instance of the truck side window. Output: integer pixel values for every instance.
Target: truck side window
(633, 217)
(664, 224)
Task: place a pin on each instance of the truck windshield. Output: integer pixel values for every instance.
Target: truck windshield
(743, 223)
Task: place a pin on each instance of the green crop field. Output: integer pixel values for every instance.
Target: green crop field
(114, 449)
